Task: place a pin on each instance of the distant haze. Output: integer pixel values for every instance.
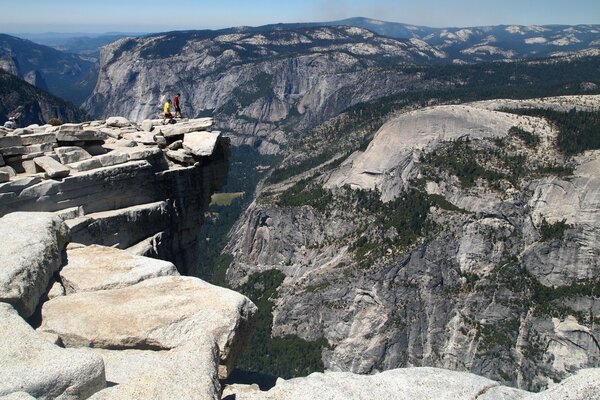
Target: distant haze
(153, 16)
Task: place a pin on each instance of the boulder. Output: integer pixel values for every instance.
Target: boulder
(147, 125)
(32, 364)
(114, 133)
(71, 154)
(9, 170)
(140, 137)
(98, 268)
(160, 140)
(159, 313)
(53, 168)
(30, 257)
(181, 156)
(4, 176)
(187, 372)
(194, 125)
(398, 384)
(176, 145)
(118, 122)
(201, 143)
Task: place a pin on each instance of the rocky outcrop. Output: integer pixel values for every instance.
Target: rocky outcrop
(413, 384)
(93, 268)
(187, 372)
(159, 313)
(30, 258)
(117, 192)
(32, 364)
(257, 83)
(499, 278)
(174, 336)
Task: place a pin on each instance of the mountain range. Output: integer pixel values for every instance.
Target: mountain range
(413, 196)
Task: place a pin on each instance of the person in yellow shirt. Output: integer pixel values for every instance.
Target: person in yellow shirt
(167, 111)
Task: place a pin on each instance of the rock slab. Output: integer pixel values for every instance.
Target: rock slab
(398, 384)
(53, 168)
(30, 257)
(95, 268)
(31, 364)
(188, 372)
(159, 313)
(201, 143)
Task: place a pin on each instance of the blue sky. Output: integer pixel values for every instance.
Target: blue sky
(152, 15)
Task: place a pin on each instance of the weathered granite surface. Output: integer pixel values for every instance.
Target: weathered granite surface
(126, 191)
(29, 255)
(30, 363)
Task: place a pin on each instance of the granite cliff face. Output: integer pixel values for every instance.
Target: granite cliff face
(31, 105)
(117, 184)
(454, 240)
(259, 84)
(65, 75)
(269, 85)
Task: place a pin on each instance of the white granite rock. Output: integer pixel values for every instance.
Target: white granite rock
(9, 170)
(181, 156)
(114, 157)
(159, 313)
(585, 385)
(398, 384)
(86, 165)
(187, 372)
(193, 125)
(18, 396)
(71, 154)
(98, 268)
(140, 137)
(38, 138)
(4, 176)
(147, 125)
(118, 122)
(53, 168)
(30, 257)
(81, 136)
(201, 143)
(29, 363)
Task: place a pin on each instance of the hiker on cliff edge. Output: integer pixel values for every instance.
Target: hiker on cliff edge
(167, 112)
(176, 104)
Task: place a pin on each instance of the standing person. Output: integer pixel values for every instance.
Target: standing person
(176, 104)
(167, 111)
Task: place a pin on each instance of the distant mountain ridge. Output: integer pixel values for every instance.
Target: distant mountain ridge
(32, 105)
(480, 43)
(65, 75)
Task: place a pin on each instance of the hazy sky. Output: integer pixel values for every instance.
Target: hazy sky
(152, 15)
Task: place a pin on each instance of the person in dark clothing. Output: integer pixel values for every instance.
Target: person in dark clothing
(177, 105)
